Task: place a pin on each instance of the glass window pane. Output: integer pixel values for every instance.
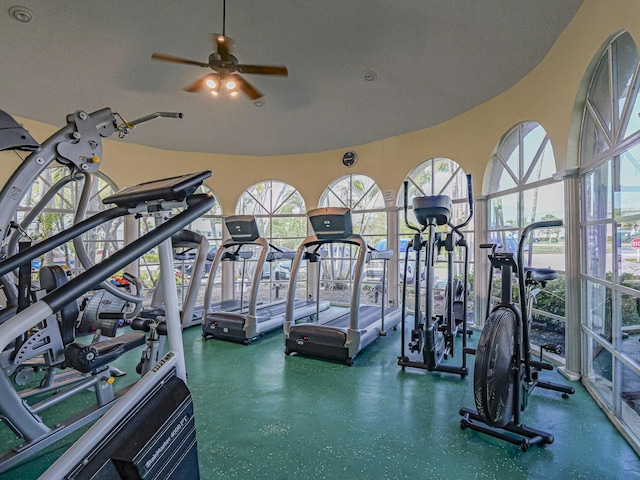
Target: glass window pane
(545, 165)
(630, 307)
(362, 195)
(501, 178)
(532, 142)
(449, 179)
(543, 203)
(601, 372)
(592, 142)
(628, 260)
(459, 212)
(548, 249)
(597, 254)
(421, 180)
(597, 193)
(510, 151)
(626, 58)
(251, 205)
(503, 211)
(634, 117)
(507, 239)
(600, 95)
(630, 395)
(627, 200)
(280, 213)
(598, 310)
(546, 330)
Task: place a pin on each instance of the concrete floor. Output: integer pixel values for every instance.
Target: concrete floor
(261, 414)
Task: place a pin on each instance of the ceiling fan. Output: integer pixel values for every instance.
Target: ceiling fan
(226, 68)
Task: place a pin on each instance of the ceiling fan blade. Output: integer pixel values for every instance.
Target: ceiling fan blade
(197, 85)
(169, 58)
(264, 69)
(224, 45)
(247, 88)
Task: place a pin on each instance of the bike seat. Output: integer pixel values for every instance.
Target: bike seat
(539, 274)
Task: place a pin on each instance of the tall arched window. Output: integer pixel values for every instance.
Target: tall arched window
(59, 212)
(610, 221)
(362, 196)
(522, 191)
(280, 213)
(436, 176)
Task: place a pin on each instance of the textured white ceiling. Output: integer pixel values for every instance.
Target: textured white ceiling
(434, 59)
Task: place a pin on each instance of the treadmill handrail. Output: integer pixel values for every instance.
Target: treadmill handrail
(354, 307)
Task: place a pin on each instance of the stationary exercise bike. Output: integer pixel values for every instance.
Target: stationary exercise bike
(505, 374)
(434, 335)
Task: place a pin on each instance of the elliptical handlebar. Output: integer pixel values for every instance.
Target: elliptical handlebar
(406, 208)
(470, 197)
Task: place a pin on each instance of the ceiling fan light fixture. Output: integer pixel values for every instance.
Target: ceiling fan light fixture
(231, 85)
(211, 83)
(233, 93)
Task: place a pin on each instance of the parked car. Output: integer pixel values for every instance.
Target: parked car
(59, 258)
(189, 259)
(373, 273)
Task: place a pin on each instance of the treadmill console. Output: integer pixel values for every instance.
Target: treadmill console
(167, 189)
(331, 223)
(242, 228)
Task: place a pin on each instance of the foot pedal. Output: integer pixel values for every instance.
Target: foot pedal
(552, 348)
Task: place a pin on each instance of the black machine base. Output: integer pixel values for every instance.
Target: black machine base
(157, 440)
(463, 371)
(230, 333)
(517, 434)
(318, 350)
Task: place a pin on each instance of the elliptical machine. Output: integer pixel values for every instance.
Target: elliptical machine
(505, 374)
(434, 335)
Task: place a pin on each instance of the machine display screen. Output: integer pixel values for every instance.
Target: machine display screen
(173, 188)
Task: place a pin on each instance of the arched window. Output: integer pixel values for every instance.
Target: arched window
(436, 176)
(522, 191)
(59, 212)
(280, 213)
(362, 196)
(610, 221)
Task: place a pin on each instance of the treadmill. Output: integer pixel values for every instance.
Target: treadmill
(243, 321)
(343, 337)
(184, 243)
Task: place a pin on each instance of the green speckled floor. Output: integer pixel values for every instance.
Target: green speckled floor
(263, 415)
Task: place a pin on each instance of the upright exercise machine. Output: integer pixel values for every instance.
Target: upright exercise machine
(505, 374)
(77, 146)
(233, 319)
(150, 432)
(433, 336)
(343, 337)
(41, 332)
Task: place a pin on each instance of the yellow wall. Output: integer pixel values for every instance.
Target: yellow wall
(550, 95)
